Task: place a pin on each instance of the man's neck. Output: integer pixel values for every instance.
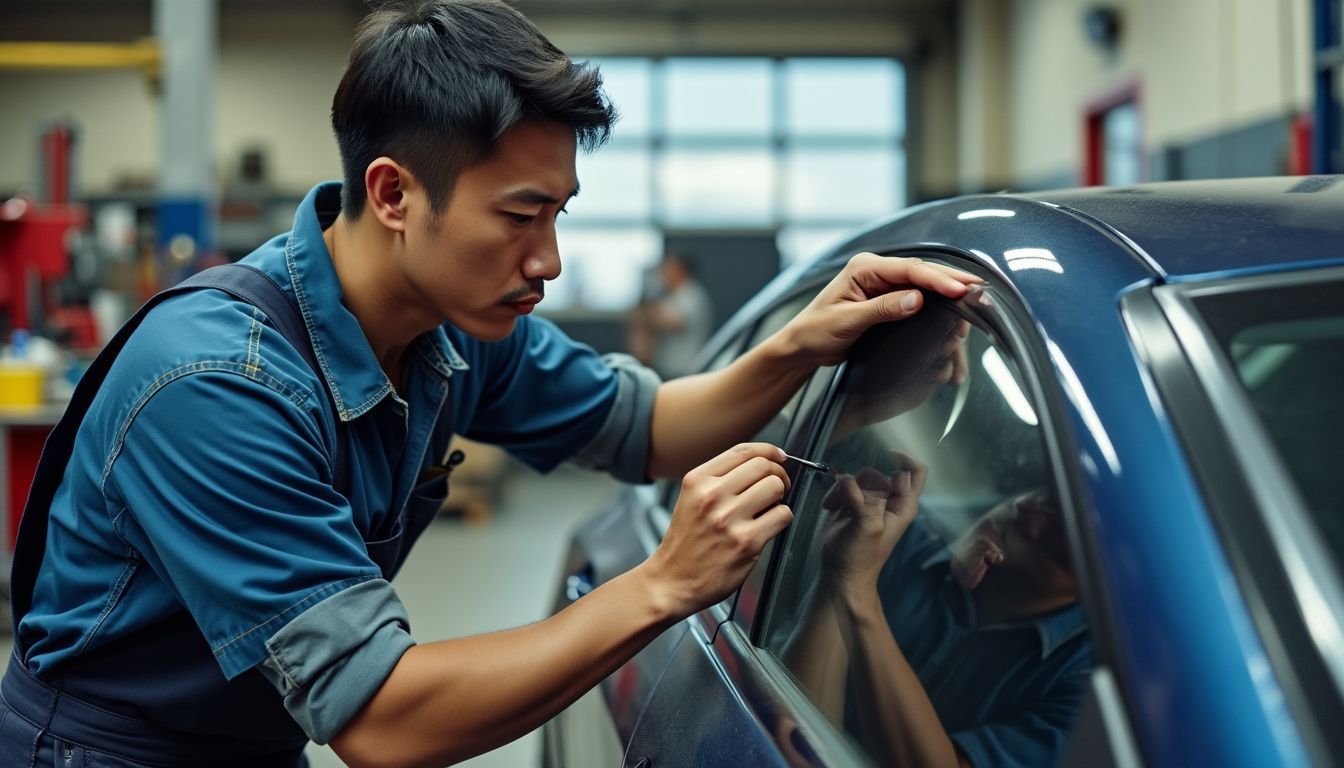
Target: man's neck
(360, 255)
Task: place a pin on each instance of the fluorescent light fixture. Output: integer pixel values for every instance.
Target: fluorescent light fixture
(1032, 258)
(986, 213)
(1003, 379)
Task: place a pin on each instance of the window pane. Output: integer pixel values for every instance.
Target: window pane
(844, 184)
(845, 97)
(717, 187)
(614, 182)
(601, 268)
(940, 528)
(629, 84)
(1121, 137)
(1286, 345)
(706, 97)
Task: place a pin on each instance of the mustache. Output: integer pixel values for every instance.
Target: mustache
(534, 287)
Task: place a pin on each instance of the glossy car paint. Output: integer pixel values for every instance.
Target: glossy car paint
(1195, 674)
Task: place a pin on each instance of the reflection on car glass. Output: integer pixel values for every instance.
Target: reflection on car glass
(939, 607)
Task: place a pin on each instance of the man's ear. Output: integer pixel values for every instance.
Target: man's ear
(385, 185)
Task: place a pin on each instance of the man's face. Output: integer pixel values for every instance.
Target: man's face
(1021, 541)
(481, 263)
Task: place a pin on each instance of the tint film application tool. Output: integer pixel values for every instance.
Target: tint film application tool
(817, 465)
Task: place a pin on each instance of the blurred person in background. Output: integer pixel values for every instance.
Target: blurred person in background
(668, 329)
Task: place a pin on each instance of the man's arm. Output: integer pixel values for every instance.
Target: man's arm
(447, 701)
(695, 416)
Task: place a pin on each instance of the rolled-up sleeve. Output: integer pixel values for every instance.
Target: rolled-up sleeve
(621, 447)
(548, 399)
(330, 660)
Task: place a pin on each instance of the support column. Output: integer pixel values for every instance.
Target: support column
(186, 33)
(985, 118)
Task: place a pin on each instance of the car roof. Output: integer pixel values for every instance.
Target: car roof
(1198, 229)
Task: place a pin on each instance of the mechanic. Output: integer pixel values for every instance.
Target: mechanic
(203, 572)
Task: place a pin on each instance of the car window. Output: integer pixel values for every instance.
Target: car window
(777, 427)
(926, 597)
(1286, 346)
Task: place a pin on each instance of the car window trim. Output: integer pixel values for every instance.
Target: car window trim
(809, 286)
(1274, 557)
(1008, 319)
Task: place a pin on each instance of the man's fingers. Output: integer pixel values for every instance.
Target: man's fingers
(752, 471)
(736, 456)
(763, 493)
(919, 471)
(845, 494)
(950, 282)
(770, 524)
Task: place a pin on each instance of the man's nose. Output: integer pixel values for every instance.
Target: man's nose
(544, 260)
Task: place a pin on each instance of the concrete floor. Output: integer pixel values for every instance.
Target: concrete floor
(514, 558)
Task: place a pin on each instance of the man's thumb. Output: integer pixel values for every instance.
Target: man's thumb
(899, 305)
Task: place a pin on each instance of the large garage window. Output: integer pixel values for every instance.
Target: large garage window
(804, 149)
(926, 594)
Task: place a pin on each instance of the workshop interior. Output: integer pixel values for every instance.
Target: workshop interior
(143, 141)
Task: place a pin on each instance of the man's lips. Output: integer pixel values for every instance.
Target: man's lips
(525, 304)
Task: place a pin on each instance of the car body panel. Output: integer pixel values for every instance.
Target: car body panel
(1187, 656)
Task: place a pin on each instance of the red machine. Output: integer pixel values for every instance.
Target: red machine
(35, 241)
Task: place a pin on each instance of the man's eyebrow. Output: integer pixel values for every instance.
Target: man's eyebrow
(536, 196)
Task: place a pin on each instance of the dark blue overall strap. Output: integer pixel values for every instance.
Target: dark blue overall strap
(243, 282)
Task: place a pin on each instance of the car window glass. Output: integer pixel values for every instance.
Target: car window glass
(1286, 346)
(926, 594)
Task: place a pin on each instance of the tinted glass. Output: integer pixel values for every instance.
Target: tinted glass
(1286, 345)
(926, 598)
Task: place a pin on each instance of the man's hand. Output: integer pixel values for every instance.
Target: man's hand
(871, 289)
(869, 514)
(727, 511)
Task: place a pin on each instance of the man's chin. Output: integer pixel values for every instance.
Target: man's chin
(972, 561)
(494, 331)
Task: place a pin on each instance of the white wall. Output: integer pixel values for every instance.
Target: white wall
(1204, 67)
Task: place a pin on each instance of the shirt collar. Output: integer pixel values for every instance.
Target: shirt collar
(352, 372)
(1054, 629)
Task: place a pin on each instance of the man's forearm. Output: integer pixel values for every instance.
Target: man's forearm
(450, 700)
(898, 721)
(695, 417)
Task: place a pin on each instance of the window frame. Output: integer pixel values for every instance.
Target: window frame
(1274, 557)
(1013, 333)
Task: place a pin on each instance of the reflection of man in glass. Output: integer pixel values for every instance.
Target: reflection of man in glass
(973, 653)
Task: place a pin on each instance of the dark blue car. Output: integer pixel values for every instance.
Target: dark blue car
(1125, 457)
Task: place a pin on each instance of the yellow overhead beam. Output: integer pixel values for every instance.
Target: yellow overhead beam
(142, 55)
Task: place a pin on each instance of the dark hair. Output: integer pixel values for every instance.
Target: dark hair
(433, 84)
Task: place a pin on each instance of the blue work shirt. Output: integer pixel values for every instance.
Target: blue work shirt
(1007, 694)
(203, 477)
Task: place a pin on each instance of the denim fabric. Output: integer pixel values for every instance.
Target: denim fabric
(335, 656)
(1007, 693)
(203, 478)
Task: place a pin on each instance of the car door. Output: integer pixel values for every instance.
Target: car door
(953, 397)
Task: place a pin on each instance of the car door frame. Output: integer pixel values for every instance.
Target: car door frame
(1103, 719)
